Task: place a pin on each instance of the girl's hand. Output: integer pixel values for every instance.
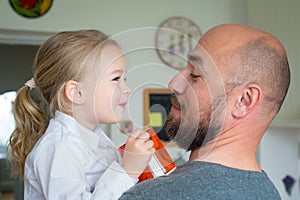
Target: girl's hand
(137, 154)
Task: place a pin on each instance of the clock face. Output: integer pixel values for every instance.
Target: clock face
(175, 38)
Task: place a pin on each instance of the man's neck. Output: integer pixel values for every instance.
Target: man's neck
(231, 152)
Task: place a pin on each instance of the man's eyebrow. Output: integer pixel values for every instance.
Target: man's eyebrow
(197, 63)
(195, 58)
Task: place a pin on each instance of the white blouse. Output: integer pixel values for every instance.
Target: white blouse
(72, 162)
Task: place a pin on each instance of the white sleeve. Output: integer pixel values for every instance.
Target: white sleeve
(113, 183)
(60, 173)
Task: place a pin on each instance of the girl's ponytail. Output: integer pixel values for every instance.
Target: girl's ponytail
(31, 122)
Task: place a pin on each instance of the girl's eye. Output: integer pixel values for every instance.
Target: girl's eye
(116, 78)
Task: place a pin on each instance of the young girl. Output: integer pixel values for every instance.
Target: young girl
(81, 77)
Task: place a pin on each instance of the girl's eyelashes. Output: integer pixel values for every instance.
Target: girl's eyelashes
(116, 78)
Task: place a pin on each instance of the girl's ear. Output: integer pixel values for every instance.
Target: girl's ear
(73, 92)
(249, 98)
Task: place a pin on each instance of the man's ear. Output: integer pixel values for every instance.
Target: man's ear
(249, 98)
(73, 92)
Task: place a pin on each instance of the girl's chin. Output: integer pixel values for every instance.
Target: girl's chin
(118, 118)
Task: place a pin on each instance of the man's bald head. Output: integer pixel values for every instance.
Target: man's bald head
(246, 55)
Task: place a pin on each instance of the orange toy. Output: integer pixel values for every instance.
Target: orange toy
(161, 162)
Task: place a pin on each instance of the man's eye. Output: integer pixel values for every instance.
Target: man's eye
(194, 76)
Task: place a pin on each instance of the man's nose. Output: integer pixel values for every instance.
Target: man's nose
(179, 83)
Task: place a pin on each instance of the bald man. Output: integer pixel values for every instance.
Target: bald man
(225, 98)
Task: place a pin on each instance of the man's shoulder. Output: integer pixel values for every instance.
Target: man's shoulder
(164, 187)
(157, 188)
(197, 180)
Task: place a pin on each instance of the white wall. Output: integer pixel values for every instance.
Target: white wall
(114, 16)
(281, 18)
(279, 150)
(279, 157)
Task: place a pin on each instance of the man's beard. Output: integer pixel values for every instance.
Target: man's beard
(192, 133)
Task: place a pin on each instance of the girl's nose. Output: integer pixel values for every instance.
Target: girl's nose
(126, 89)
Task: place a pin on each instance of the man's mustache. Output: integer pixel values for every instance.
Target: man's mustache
(174, 101)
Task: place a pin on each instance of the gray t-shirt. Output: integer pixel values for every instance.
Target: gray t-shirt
(202, 180)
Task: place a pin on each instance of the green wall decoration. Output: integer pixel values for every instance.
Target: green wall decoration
(31, 8)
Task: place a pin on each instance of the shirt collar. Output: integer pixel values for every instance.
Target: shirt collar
(93, 140)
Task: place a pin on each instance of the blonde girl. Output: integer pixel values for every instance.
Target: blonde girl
(58, 146)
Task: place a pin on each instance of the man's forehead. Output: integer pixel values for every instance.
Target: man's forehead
(198, 51)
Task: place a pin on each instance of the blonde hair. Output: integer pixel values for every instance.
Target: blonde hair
(60, 59)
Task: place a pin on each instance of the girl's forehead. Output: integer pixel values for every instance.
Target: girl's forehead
(111, 59)
(110, 54)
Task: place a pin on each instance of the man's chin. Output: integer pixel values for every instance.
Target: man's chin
(178, 134)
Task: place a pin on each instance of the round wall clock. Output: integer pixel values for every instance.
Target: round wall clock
(175, 38)
(31, 8)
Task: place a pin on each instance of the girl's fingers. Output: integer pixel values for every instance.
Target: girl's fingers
(142, 139)
(136, 133)
(149, 144)
(144, 136)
